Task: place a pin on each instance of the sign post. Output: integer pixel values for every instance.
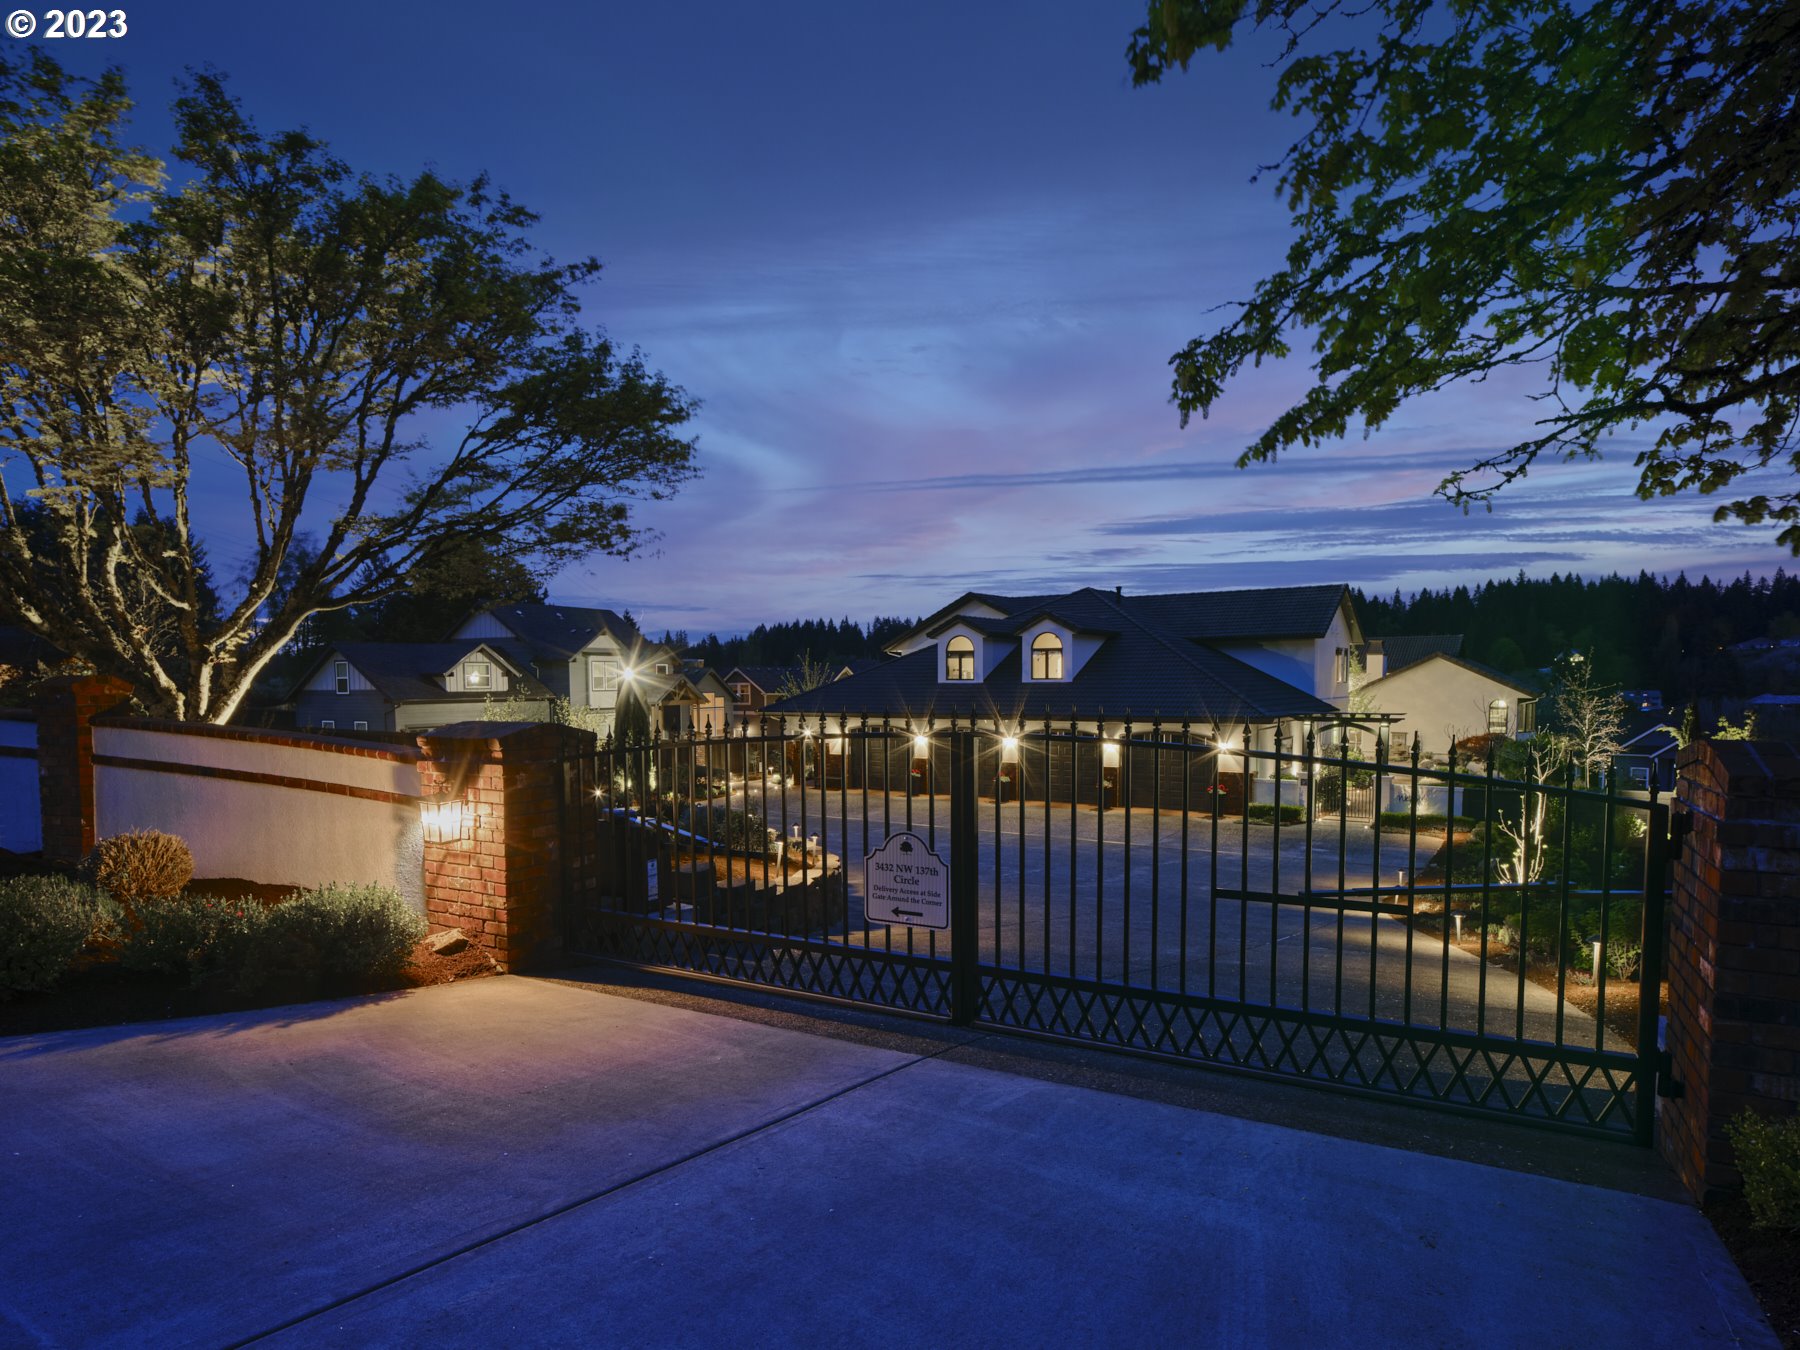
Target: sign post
(904, 882)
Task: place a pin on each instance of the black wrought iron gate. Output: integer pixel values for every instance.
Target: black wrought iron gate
(1481, 943)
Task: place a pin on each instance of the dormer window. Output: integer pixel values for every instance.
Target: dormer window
(959, 659)
(1046, 657)
(477, 675)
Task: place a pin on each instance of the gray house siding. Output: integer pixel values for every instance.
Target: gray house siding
(313, 707)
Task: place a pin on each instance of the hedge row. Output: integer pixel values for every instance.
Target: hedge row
(337, 934)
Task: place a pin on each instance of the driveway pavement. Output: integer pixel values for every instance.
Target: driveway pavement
(518, 1161)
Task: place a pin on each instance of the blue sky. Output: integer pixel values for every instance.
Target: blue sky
(924, 266)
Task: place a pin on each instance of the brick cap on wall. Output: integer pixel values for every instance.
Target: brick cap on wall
(497, 735)
(1750, 766)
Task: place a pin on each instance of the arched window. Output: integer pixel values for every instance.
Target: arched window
(1497, 717)
(959, 659)
(1046, 657)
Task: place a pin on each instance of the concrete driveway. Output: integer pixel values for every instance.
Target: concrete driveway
(524, 1161)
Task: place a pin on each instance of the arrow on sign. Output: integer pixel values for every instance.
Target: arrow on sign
(911, 913)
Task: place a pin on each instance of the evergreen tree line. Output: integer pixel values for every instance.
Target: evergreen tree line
(830, 642)
(1645, 632)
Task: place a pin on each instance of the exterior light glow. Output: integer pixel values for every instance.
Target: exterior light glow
(919, 742)
(628, 674)
(1009, 743)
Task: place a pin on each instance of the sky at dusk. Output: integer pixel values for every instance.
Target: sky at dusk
(923, 265)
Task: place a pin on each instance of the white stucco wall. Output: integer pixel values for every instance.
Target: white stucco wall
(259, 831)
(1442, 702)
(21, 820)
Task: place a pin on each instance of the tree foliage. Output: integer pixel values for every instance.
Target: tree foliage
(1664, 633)
(382, 364)
(1608, 192)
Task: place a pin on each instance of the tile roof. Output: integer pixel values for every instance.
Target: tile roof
(403, 672)
(1206, 616)
(1410, 649)
(561, 630)
(1140, 673)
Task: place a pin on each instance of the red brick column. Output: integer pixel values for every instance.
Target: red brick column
(1734, 952)
(493, 838)
(66, 709)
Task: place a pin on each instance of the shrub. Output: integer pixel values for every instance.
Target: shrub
(741, 831)
(193, 935)
(139, 866)
(44, 924)
(333, 933)
(1768, 1154)
(1290, 815)
(1428, 822)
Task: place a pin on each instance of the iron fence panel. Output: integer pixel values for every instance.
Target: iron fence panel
(1425, 929)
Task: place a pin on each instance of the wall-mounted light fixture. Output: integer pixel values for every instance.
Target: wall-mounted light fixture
(447, 818)
(1009, 744)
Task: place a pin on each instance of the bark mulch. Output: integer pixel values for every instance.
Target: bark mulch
(1770, 1260)
(104, 995)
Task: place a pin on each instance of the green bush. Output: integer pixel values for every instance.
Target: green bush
(139, 865)
(1768, 1154)
(197, 936)
(44, 924)
(739, 831)
(1290, 815)
(1402, 821)
(333, 933)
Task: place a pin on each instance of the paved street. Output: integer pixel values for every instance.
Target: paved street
(525, 1162)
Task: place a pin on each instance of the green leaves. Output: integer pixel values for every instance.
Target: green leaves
(384, 364)
(1609, 193)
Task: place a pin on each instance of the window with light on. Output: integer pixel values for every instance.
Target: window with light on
(959, 659)
(1046, 657)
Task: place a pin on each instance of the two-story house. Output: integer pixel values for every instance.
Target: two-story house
(411, 686)
(1211, 665)
(524, 656)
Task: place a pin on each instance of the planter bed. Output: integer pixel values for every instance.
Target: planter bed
(99, 993)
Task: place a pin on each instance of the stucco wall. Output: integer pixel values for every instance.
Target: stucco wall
(1441, 702)
(21, 821)
(305, 831)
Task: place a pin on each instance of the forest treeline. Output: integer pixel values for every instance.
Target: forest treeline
(1642, 632)
(829, 642)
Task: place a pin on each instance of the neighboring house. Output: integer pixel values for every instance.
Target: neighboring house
(1423, 686)
(409, 686)
(755, 687)
(856, 667)
(580, 654)
(1205, 664)
(690, 699)
(525, 656)
(1643, 700)
(1646, 757)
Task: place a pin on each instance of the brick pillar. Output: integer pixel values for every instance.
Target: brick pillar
(1734, 952)
(66, 709)
(493, 845)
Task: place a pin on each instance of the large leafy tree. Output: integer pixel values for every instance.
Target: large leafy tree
(383, 373)
(1607, 191)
